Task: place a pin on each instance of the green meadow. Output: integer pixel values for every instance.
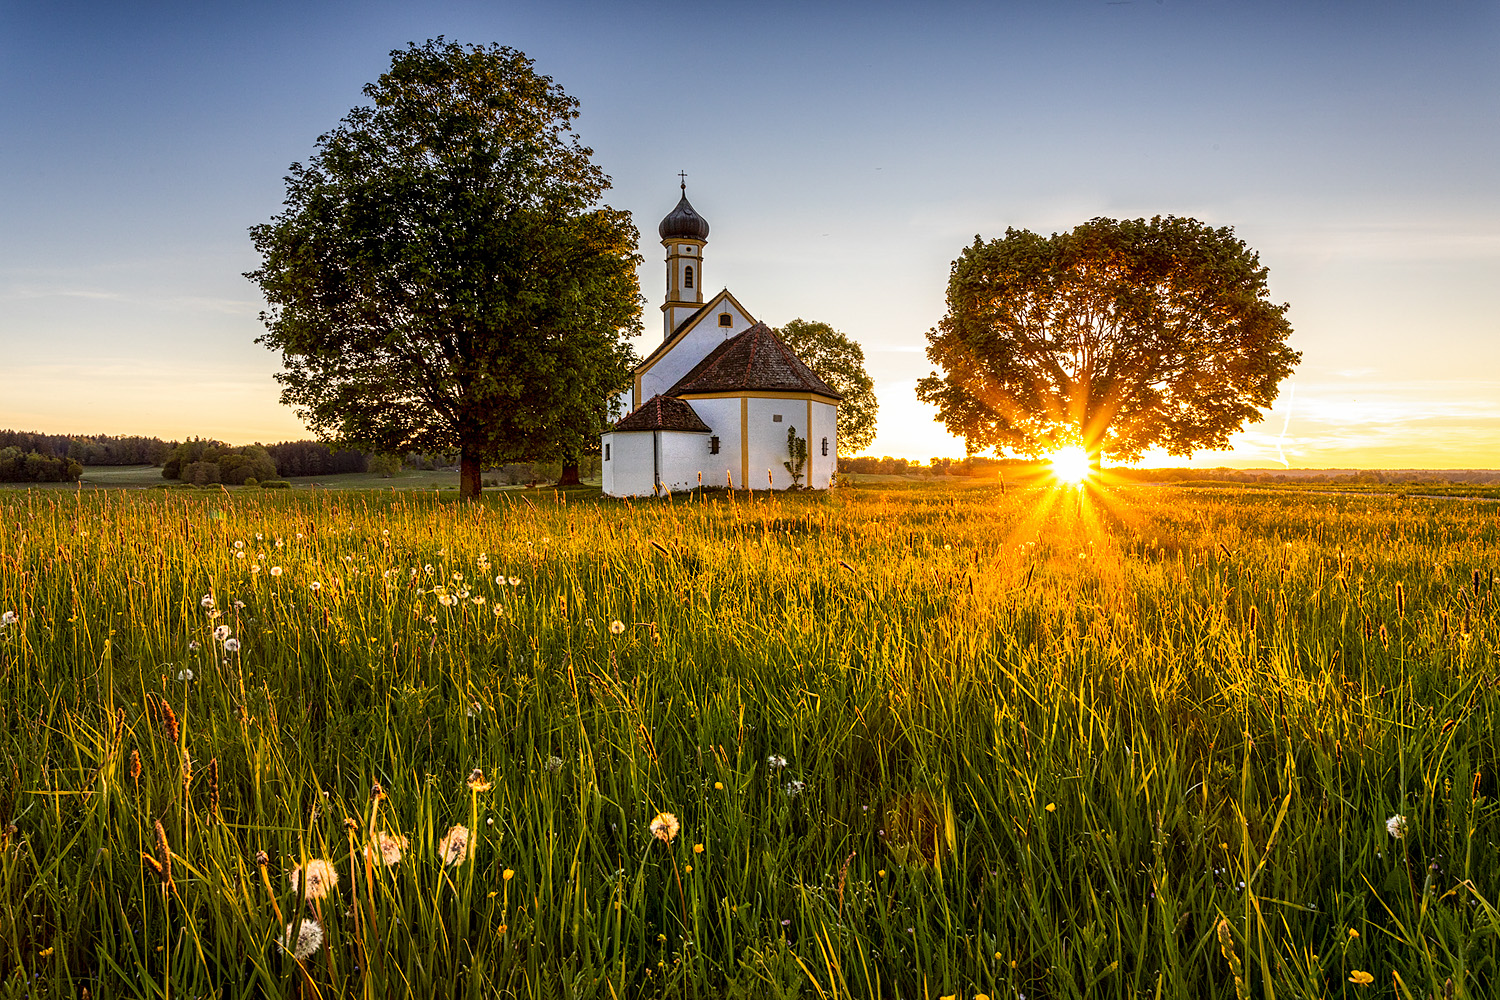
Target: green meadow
(924, 742)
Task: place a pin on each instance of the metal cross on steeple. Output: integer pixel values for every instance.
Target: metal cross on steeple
(683, 175)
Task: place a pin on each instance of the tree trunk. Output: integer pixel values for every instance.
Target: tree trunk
(468, 476)
(569, 475)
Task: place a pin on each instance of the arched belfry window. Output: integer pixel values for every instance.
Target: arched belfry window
(687, 277)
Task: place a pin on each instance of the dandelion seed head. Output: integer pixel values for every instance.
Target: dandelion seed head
(664, 827)
(221, 633)
(1396, 826)
(231, 645)
(322, 878)
(777, 761)
(275, 570)
(302, 939)
(185, 674)
(453, 849)
(616, 627)
(477, 782)
(207, 601)
(387, 849)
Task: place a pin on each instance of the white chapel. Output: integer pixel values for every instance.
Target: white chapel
(713, 403)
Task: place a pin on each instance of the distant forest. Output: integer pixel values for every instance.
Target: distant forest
(28, 457)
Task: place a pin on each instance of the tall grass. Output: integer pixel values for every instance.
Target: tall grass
(1140, 742)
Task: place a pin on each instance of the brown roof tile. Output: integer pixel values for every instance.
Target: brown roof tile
(753, 360)
(663, 413)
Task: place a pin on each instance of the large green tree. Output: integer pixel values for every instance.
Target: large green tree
(1117, 337)
(443, 276)
(839, 361)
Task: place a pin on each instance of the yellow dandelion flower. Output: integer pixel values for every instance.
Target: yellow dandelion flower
(477, 782)
(1359, 978)
(1052, 807)
(508, 874)
(718, 786)
(697, 848)
(1353, 933)
(687, 869)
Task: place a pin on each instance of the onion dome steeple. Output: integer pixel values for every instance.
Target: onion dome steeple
(682, 222)
(684, 234)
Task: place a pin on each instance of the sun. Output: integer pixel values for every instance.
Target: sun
(1071, 465)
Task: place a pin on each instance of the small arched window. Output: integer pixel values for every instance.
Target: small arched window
(725, 319)
(825, 446)
(687, 277)
(713, 445)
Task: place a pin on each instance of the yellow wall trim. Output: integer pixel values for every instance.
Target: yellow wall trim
(744, 442)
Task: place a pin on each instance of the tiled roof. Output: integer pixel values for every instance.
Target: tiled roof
(753, 360)
(663, 413)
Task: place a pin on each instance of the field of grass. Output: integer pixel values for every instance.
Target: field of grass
(920, 742)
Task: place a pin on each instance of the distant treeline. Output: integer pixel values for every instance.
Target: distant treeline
(1316, 477)
(204, 462)
(984, 466)
(101, 449)
(17, 466)
(974, 465)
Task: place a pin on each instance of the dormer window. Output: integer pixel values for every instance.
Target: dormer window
(687, 277)
(725, 319)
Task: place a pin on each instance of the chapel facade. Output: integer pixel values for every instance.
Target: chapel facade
(712, 405)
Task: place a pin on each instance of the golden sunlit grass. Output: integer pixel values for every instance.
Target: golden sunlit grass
(933, 741)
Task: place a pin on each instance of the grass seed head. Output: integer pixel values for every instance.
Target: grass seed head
(169, 720)
(163, 864)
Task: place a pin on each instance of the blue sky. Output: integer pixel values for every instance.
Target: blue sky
(843, 154)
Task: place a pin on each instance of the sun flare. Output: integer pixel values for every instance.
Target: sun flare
(1071, 465)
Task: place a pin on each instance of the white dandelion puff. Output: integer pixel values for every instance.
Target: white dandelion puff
(1396, 826)
(453, 849)
(302, 940)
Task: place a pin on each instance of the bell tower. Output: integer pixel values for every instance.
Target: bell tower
(683, 233)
